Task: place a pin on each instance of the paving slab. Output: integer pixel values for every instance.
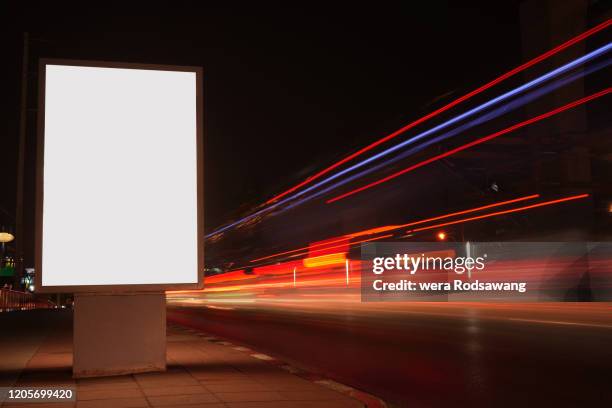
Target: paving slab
(201, 372)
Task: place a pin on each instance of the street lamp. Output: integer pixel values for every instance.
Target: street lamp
(6, 236)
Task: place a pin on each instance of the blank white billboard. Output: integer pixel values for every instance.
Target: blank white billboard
(119, 177)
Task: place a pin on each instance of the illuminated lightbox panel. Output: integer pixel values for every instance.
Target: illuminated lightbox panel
(119, 187)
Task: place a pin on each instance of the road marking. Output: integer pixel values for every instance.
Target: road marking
(560, 322)
(262, 356)
(219, 307)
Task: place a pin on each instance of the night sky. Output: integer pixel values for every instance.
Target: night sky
(286, 91)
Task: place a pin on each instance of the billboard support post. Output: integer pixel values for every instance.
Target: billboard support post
(117, 334)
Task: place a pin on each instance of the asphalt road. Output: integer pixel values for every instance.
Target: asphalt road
(427, 354)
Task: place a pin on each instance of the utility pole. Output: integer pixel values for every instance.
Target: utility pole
(23, 120)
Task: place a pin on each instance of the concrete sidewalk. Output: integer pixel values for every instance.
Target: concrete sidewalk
(201, 372)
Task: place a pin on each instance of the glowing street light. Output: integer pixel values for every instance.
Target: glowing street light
(6, 236)
(441, 236)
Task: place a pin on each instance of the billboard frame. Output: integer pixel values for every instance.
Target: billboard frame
(39, 187)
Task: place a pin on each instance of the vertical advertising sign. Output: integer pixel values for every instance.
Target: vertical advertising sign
(119, 177)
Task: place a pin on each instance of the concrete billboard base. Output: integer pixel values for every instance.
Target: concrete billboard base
(118, 334)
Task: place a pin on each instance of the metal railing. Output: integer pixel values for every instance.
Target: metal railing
(14, 300)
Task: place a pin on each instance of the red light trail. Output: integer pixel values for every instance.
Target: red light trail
(394, 227)
(471, 210)
(473, 143)
(450, 105)
(494, 214)
(338, 246)
(235, 275)
(299, 249)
